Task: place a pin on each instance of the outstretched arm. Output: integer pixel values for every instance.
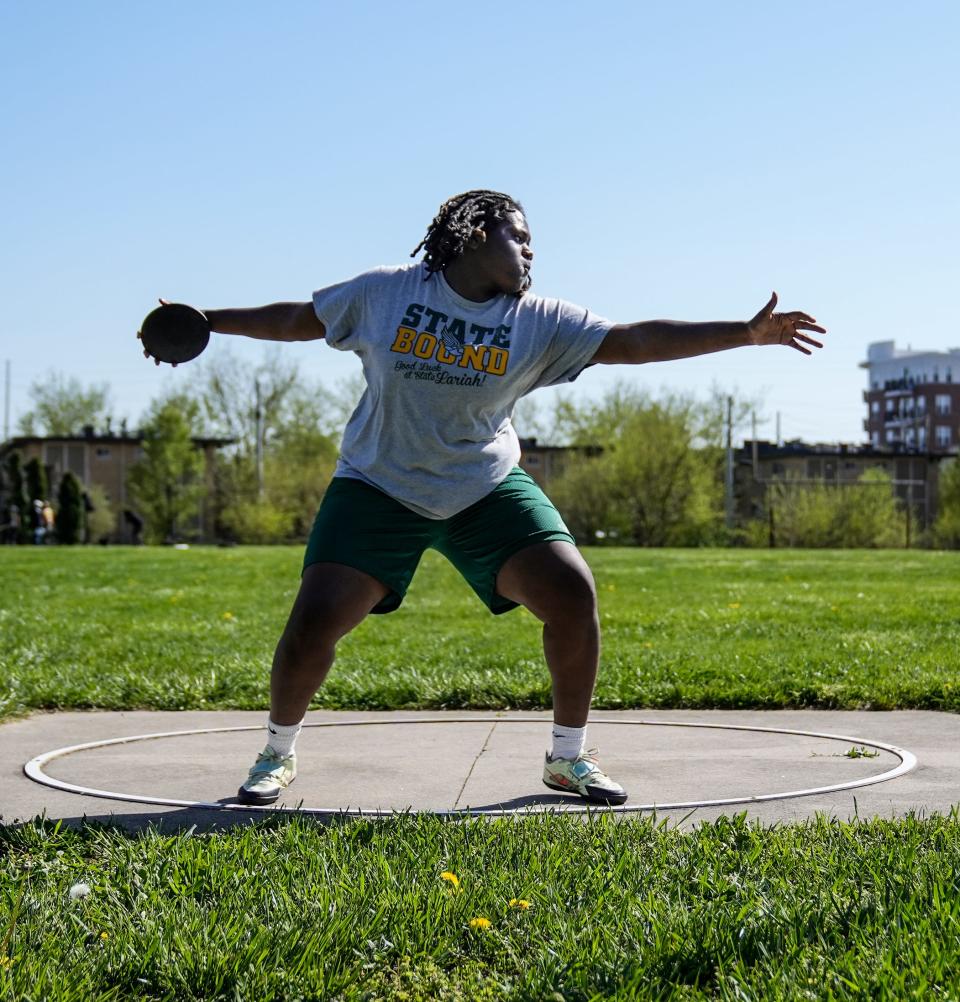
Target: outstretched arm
(276, 322)
(662, 340)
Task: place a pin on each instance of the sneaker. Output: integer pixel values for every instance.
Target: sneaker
(584, 776)
(268, 778)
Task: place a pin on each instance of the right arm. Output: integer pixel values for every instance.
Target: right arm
(276, 322)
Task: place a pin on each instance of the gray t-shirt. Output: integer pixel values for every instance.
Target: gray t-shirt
(443, 374)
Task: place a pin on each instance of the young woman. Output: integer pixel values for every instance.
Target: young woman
(429, 459)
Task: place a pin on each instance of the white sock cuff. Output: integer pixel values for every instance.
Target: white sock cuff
(281, 737)
(568, 742)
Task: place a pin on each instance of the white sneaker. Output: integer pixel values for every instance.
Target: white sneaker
(268, 778)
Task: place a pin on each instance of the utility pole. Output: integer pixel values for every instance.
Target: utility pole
(258, 414)
(729, 477)
(778, 428)
(753, 432)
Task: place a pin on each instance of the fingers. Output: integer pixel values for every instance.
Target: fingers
(809, 340)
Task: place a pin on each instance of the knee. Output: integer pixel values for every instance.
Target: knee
(573, 598)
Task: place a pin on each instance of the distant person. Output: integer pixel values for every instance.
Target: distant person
(39, 527)
(429, 459)
(49, 521)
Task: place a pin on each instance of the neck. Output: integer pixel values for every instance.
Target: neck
(467, 283)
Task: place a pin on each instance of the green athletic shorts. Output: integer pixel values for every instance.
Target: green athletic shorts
(362, 527)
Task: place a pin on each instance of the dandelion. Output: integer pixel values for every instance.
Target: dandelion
(520, 903)
(5, 963)
(733, 605)
(479, 923)
(228, 616)
(648, 645)
(79, 891)
(104, 936)
(451, 878)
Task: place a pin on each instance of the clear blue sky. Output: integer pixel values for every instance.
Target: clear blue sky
(676, 160)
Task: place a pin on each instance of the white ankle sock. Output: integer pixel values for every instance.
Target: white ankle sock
(568, 741)
(282, 737)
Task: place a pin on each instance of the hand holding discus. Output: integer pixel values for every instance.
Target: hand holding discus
(174, 333)
(768, 327)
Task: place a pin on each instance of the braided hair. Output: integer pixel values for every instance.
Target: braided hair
(453, 226)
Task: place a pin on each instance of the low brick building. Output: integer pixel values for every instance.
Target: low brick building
(104, 459)
(758, 464)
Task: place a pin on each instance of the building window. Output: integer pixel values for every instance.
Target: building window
(942, 403)
(891, 435)
(532, 460)
(875, 439)
(875, 407)
(943, 436)
(103, 452)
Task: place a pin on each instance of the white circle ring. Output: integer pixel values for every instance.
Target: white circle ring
(34, 770)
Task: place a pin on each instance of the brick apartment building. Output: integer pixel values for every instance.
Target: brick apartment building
(913, 399)
(104, 459)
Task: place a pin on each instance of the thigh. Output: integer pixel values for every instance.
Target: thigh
(333, 599)
(515, 516)
(551, 580)
(361, 528)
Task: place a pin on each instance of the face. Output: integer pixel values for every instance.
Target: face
(504, 257)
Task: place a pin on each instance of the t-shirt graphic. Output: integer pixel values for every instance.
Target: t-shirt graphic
(443, 375)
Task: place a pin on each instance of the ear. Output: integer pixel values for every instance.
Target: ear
(477, 237)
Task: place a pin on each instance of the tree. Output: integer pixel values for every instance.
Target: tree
(946, 528)
(647, 474)
(16, 496)
(271, 480)
(167, 484)
(62, 406)
(70, 512)
(38, 486)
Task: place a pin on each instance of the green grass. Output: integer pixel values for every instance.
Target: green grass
(627, 910)
(166, 629)
(620, 909)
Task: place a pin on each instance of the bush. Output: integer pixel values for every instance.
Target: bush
(859, 515)
(70, 515)
(101, 519)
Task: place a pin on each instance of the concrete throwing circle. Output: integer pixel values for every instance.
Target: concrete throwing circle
(34, 769)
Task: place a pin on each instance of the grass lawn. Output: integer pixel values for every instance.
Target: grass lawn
(626, 909)
(168, 629)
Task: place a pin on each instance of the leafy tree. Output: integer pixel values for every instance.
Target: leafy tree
(167, 484)
(648, 473)
(36, 476)
(63, 406)
(70, 512)
(15, 494)
(946, 528)
(298, 425)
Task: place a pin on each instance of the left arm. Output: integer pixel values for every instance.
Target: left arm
(662, 340)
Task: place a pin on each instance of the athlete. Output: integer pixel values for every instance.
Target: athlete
(429, 459)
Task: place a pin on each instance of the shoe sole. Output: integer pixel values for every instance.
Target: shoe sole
(259, 799)
(611, 799)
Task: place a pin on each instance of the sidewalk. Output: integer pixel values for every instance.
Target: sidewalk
(487, 761)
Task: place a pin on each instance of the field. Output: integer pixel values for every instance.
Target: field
(194, 629)
(290, 909)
